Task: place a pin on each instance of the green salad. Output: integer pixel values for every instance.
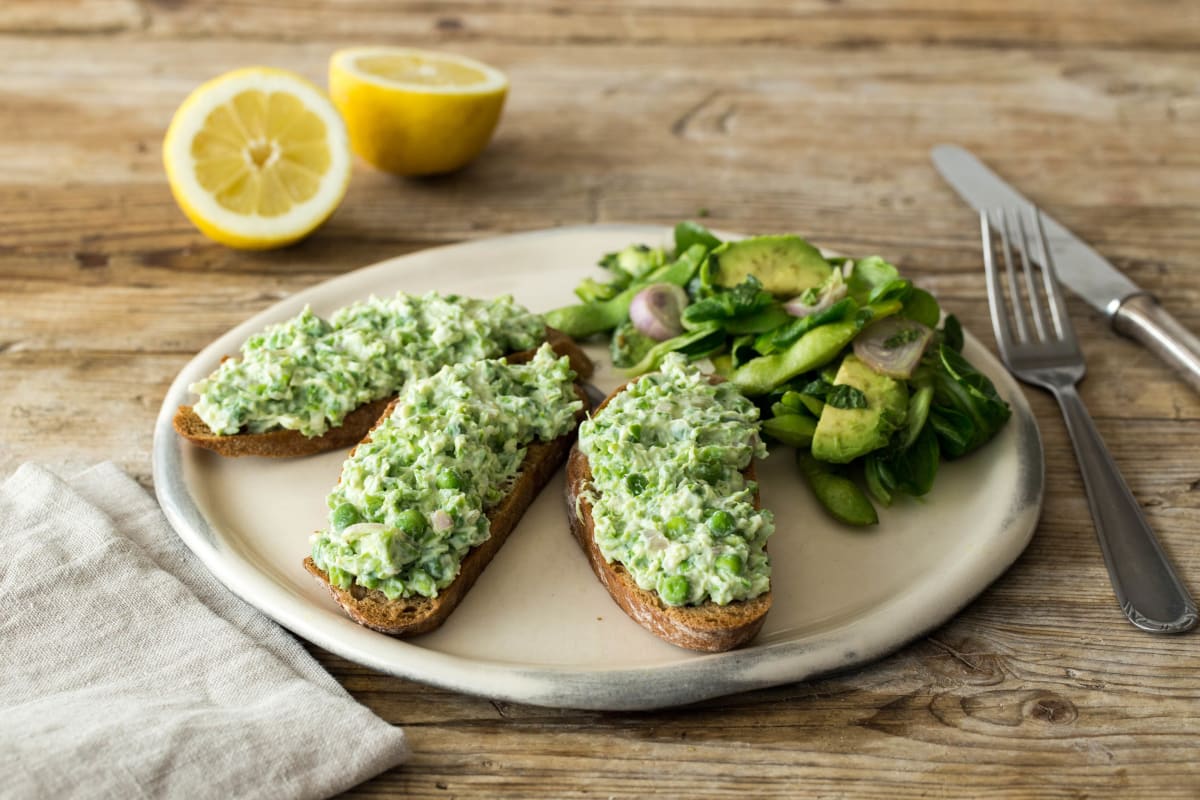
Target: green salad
(306, 374)
(849, 362)
(414, 499)
(669, 500)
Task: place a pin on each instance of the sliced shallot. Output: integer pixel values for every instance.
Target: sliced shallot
(656, 310)
(806, 304)
(893, 346)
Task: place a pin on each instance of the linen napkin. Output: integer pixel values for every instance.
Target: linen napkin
(127, 670)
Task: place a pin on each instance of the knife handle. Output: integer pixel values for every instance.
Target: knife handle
(1141, 317)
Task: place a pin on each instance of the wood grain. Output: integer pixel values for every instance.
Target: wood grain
(813, 116)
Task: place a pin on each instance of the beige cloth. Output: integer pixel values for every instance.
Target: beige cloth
(128, 671)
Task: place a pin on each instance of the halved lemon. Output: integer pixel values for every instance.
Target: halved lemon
(416, 112)
(257, 158)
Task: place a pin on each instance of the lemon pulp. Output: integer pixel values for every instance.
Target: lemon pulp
(257, 158)
(261, 153)
(409, 68)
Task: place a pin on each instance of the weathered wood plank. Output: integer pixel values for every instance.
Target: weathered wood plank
(809, 116)
(950, 710)
(772, 154)
(38, 17)
(810, 23)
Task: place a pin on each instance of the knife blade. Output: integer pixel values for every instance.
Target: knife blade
(1131, 311)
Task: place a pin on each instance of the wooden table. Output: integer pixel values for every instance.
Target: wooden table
(813, 116)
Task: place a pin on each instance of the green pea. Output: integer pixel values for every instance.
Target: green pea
(815, 405)
(344, 516)
(635, 432)
(586, 319)
(676, 527)
(840, 496)
(814, 349)
(411, 521)
(449, 479)
(709, 472)
(635, 483)
(793, 401)
(730, 562)
(721, 522)
(795, 430)
(422, 583)
(674, 590)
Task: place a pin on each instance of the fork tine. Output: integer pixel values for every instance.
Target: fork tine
(1054, 295)
(995, 291)
(1006, 246)
(1035, 305)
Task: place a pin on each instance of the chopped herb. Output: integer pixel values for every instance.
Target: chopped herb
(844, 395)
(862, 317)
(741, 301)
(817, 388)
(901, 338)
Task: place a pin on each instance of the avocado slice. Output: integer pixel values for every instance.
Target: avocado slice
(786, 265)
(844, 434)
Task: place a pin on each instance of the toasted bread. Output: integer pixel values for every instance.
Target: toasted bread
(707, 627)
(283, 443)
(415, 615)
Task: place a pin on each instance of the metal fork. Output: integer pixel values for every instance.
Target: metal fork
(1046, 353)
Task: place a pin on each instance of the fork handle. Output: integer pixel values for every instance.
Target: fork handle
(1141, 317)
(1146, 586)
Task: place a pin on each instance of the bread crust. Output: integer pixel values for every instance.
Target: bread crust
(289, 443)
(416, 615)
(707, 627)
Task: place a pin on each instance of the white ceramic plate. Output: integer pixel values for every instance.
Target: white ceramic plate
(538, 627)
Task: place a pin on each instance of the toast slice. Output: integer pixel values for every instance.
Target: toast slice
(409, 616)
(707, 627)
(284, 443)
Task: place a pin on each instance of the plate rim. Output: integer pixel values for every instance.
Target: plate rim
(864, 638)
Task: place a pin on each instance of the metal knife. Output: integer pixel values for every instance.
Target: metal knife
(1131, 311)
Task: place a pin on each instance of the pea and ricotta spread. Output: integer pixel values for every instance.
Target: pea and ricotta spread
(669, 500)
(307, 374)
(414, 499)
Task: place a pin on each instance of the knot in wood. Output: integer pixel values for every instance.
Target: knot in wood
(1052, 709)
